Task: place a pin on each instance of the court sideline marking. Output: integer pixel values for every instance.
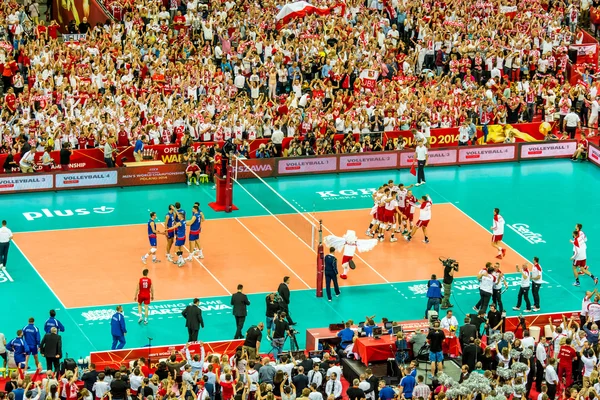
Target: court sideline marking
(54, 294)
(273, 253)
(203, 266)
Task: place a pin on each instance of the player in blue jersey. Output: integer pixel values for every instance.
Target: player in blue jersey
(195, 229)
(179, 211)
(152, 232)
(169, 221)
(179, 229)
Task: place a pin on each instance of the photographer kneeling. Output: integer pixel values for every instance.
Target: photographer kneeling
(450, 267)
(281, 329)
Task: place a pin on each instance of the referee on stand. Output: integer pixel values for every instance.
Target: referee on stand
(5, 238)
(421, 157)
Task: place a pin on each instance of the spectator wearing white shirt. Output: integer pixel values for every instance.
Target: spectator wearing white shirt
(333, 386)
(135, 380)
(540, 357)
(336, 371)
(27, 162)
(5, 239)
(589, 360)
(366, 386)
(449, 321)
(571, 123)
(196, 362)
(551, 378)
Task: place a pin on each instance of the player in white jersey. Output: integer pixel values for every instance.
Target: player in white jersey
(579, 258)
(402, 217)
(374, 222)
(382, 215)
(498, 233)
(390, 216)
(424, 218)
(581, 236)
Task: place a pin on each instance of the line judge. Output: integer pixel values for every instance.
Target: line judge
(5, 238)
(422, 157)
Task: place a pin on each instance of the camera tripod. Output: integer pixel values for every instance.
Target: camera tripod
(279, 350)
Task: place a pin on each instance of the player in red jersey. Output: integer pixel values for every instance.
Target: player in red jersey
(424, 218)
(409, 212)
(143, 294)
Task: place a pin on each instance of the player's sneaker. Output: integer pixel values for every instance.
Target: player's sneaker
(169, 258)
(200, 255)
(344, 276)
(407, 238)
(499, 256)
(189, 183)
(189, 258)
(1, 267)
(140, 321)
(381, 238)
(146, 322)
(503, 252)
(526, 310)
(144, 260)
(595, 281)
(180, 263)
(535, 309)
(576, 283)
(156, 261)
(197, 183)
(392, 240)
(426, 241)
(516, 308)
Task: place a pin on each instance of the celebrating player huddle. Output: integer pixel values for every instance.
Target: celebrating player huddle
(393, 211)
(175, 230)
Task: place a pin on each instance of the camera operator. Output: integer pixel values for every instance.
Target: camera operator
(280, 330)
(450, 267)
(272, 310)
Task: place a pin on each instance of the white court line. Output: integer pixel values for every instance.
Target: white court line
(53, 293)
(203, 266)
(273, 253)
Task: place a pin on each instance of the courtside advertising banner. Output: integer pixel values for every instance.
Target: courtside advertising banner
(547, 150)
(247, 168)
(86, 179)
(22, 183)
(152, 174)
(594, 155)
(289, 166)
(368, 161)
(491, 153)
(436, 157)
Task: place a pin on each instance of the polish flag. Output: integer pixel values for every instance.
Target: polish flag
(301, 9)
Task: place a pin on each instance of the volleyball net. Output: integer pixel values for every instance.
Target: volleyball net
(287, 212)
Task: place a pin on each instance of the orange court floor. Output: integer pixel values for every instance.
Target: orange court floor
(258, 251)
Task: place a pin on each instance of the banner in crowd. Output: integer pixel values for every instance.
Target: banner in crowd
(490, 153)
(75, 10)
(116, 358)
(513, 324)
(548, 149)
(594, 154)
(586, 53)
(301, 9)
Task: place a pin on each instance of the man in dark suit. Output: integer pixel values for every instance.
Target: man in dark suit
(284, 293)
(467, 332)
(193, 320)
(239, 301)
(51, 349)
(331, 273)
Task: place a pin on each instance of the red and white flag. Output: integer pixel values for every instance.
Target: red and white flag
(301, 9)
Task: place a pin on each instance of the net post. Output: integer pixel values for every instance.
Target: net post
(320, 261)
(228, 189)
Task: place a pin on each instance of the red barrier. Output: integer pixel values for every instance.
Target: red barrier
(512, 324)
(116, 358)
(152, 175)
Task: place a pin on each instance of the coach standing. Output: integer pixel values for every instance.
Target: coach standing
(51, 349)
(193, 320)
(5, 238)
(239, 301)
(571, 123)
(331, 273)
(421, 156)
(118, 329)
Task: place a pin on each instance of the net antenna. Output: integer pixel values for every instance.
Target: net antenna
(300, 223)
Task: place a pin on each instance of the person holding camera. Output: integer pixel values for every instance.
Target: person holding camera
(272, 310)
(280, 330)
(434, 295)
(450, 267)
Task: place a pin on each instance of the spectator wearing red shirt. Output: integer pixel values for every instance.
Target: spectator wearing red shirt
(582, 148)
(227, 386)
(178, 22)
(566, 356)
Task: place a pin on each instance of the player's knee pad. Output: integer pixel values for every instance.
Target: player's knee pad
(153, 250)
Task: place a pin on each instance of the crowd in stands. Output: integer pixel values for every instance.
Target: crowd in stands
(225, 69)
